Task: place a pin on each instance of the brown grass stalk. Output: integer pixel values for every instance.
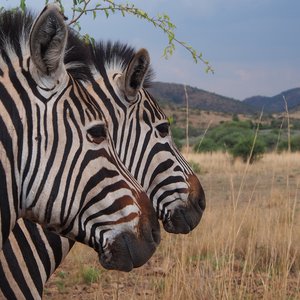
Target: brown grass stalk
(247, 245)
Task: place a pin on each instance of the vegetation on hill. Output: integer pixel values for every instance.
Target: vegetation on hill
(237, 137)
(171, 93)
(276, 103)
(247, 139)
(174, 94)
(217, 123)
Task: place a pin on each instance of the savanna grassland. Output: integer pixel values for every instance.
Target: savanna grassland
(247, 245)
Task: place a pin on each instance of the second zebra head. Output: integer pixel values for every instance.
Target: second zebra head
(141, 132)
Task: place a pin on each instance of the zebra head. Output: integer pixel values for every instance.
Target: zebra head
(67, 174)
(141, 133)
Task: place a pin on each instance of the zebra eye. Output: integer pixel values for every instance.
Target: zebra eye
(97, 133)
(163, 129)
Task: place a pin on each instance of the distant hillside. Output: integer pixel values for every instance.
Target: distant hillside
(276, 103)
(172, 93)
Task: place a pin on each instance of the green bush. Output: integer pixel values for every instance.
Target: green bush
(205, 145)
(177, 132)
(194, 131)
(270, 140)
(244, 147)
(283, 145)
(224, 137)
(178, 135)
(239, 124)
(295, 143)
(237, 138)
(229, 140)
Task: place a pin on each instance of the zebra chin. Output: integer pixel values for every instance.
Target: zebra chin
(185, 217)
(128, 252)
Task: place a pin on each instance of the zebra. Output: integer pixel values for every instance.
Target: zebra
(141, 135)
(58, 164)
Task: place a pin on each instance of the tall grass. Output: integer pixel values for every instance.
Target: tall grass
(247, 245)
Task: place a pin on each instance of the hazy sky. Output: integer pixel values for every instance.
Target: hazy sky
(253, 45)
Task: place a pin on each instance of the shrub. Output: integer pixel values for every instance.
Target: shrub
(283, 145)
(225, 136)
(229, 140)
(244, 147)
(270, 140)
(194, 131)
(295, 143)
(205, 145)
(177, 132)
(178, 135)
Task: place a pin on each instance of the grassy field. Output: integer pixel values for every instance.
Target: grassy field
(247, 245)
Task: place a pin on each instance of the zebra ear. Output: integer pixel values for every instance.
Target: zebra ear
(136, 72)
(48, 39)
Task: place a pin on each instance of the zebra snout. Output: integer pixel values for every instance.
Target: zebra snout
(132, 249)
(185, 217)
(196, 194)
(128, 251)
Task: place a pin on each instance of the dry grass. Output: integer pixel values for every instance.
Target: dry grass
(246, 247)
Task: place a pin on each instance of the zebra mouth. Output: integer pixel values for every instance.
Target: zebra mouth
(126, 252)
(184, 216)
(117, 257)
(183, 219)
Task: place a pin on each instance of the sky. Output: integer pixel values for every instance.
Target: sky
(252, 45)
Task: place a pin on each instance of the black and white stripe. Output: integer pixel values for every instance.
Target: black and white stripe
(141, 135)
(58, 164)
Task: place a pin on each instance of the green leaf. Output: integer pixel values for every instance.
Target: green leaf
(23, 5)
(106, 12)
(161, 21)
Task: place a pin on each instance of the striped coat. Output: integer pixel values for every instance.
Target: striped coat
(141, 135)
(58, 164)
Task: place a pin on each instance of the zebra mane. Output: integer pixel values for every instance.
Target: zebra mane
(14, 32)
(80, 58)
(115, 56)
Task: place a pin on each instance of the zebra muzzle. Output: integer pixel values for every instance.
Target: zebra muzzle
(132, 249)
(128, 251)
(185, 217)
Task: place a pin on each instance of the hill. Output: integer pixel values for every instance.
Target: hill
(276, 103)
(171, 93)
